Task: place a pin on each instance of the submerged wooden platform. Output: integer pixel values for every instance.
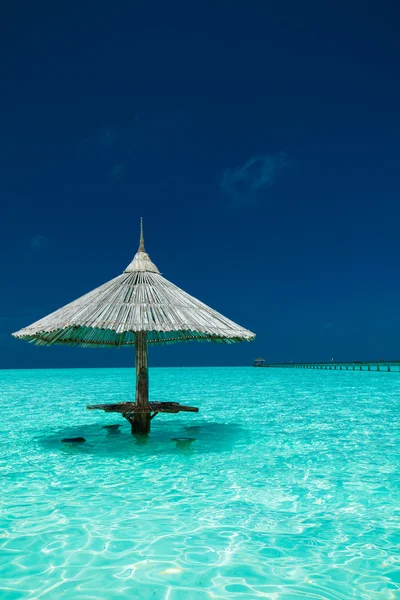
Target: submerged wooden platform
(132, 409)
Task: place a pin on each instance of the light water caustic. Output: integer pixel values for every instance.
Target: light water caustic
(289, 487)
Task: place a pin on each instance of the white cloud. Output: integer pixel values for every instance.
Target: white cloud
(255, 176)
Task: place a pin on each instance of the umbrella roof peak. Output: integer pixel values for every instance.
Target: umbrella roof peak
(141, 261)
(141, 241)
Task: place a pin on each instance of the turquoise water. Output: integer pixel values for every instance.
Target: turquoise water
(290, 490)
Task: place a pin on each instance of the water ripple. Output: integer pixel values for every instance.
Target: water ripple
(294, 493)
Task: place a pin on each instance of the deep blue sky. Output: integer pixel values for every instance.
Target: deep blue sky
(259, 140)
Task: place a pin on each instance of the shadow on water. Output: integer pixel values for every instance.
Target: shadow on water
(165, 438)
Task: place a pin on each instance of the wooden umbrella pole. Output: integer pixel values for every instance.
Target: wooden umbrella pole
(141, 421)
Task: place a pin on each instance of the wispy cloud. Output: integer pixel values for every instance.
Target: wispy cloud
(118, 171)
(123, 149)
(254, 177)
(327, 326)
(38, 241)
(104, 137)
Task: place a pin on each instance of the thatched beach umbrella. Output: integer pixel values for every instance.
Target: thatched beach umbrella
(137, 308)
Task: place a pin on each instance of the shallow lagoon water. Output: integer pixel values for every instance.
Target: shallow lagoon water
(290, 488)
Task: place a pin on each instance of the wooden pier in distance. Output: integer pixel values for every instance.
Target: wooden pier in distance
(379, 365)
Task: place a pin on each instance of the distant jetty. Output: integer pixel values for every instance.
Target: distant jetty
(377, 365)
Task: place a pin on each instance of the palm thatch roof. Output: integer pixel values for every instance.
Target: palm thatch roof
(138, 300)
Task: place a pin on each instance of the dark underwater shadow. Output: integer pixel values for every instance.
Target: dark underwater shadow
(166, 437)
